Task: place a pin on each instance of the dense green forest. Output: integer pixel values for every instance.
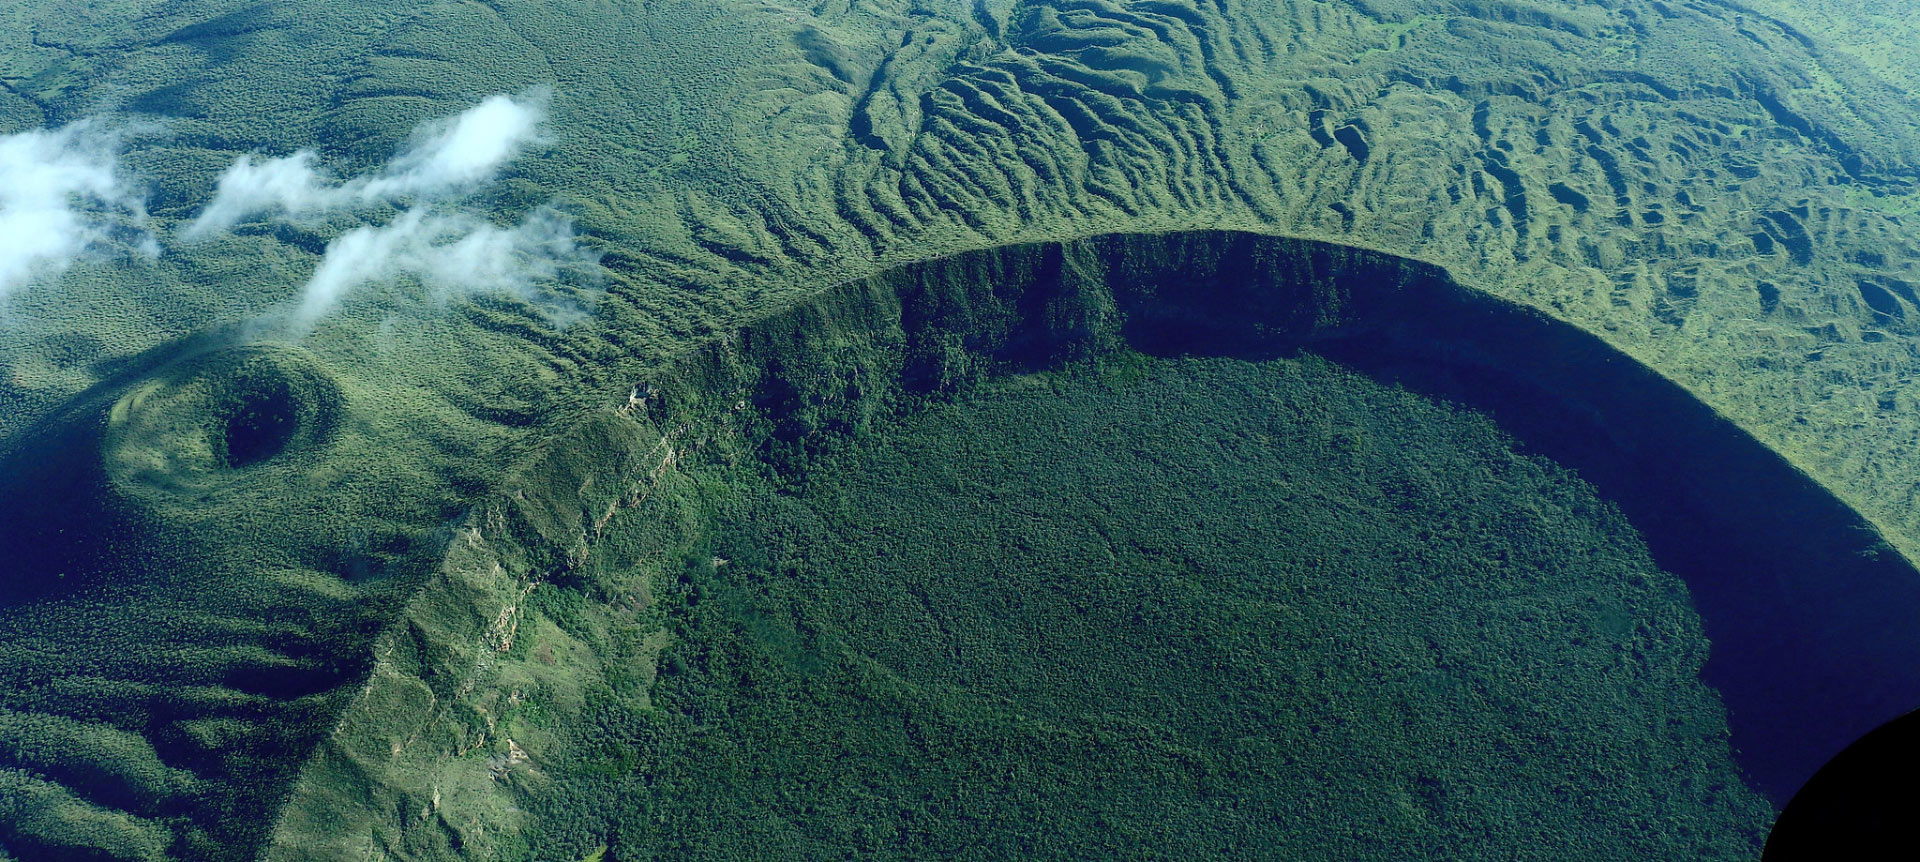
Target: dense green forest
(366, 390)
(1151, 608)
(725, 519)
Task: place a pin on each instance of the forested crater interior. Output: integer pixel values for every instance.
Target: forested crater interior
(1076, 429)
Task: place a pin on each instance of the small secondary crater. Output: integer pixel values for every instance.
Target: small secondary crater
(262, 414)
(224, 414)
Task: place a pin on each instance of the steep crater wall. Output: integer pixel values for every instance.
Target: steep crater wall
(1809, 611)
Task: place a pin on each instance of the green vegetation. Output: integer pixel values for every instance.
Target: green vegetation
(1151, 609)
(603, 554)
(282, 595)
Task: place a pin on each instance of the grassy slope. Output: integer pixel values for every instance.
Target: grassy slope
(795, 146)
(1707, 194)
(1878, 34)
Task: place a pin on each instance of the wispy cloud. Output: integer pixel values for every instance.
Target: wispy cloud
(464, 152)
(445, 158)
(453, 255)
(62, 195)
(288, 186)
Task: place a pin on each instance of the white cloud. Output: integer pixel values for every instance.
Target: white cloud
(463, 152)
(453, 255)
(288, 186)
(61, 196)
(445, 158)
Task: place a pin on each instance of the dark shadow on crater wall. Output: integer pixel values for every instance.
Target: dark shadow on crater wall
(1809, 612)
